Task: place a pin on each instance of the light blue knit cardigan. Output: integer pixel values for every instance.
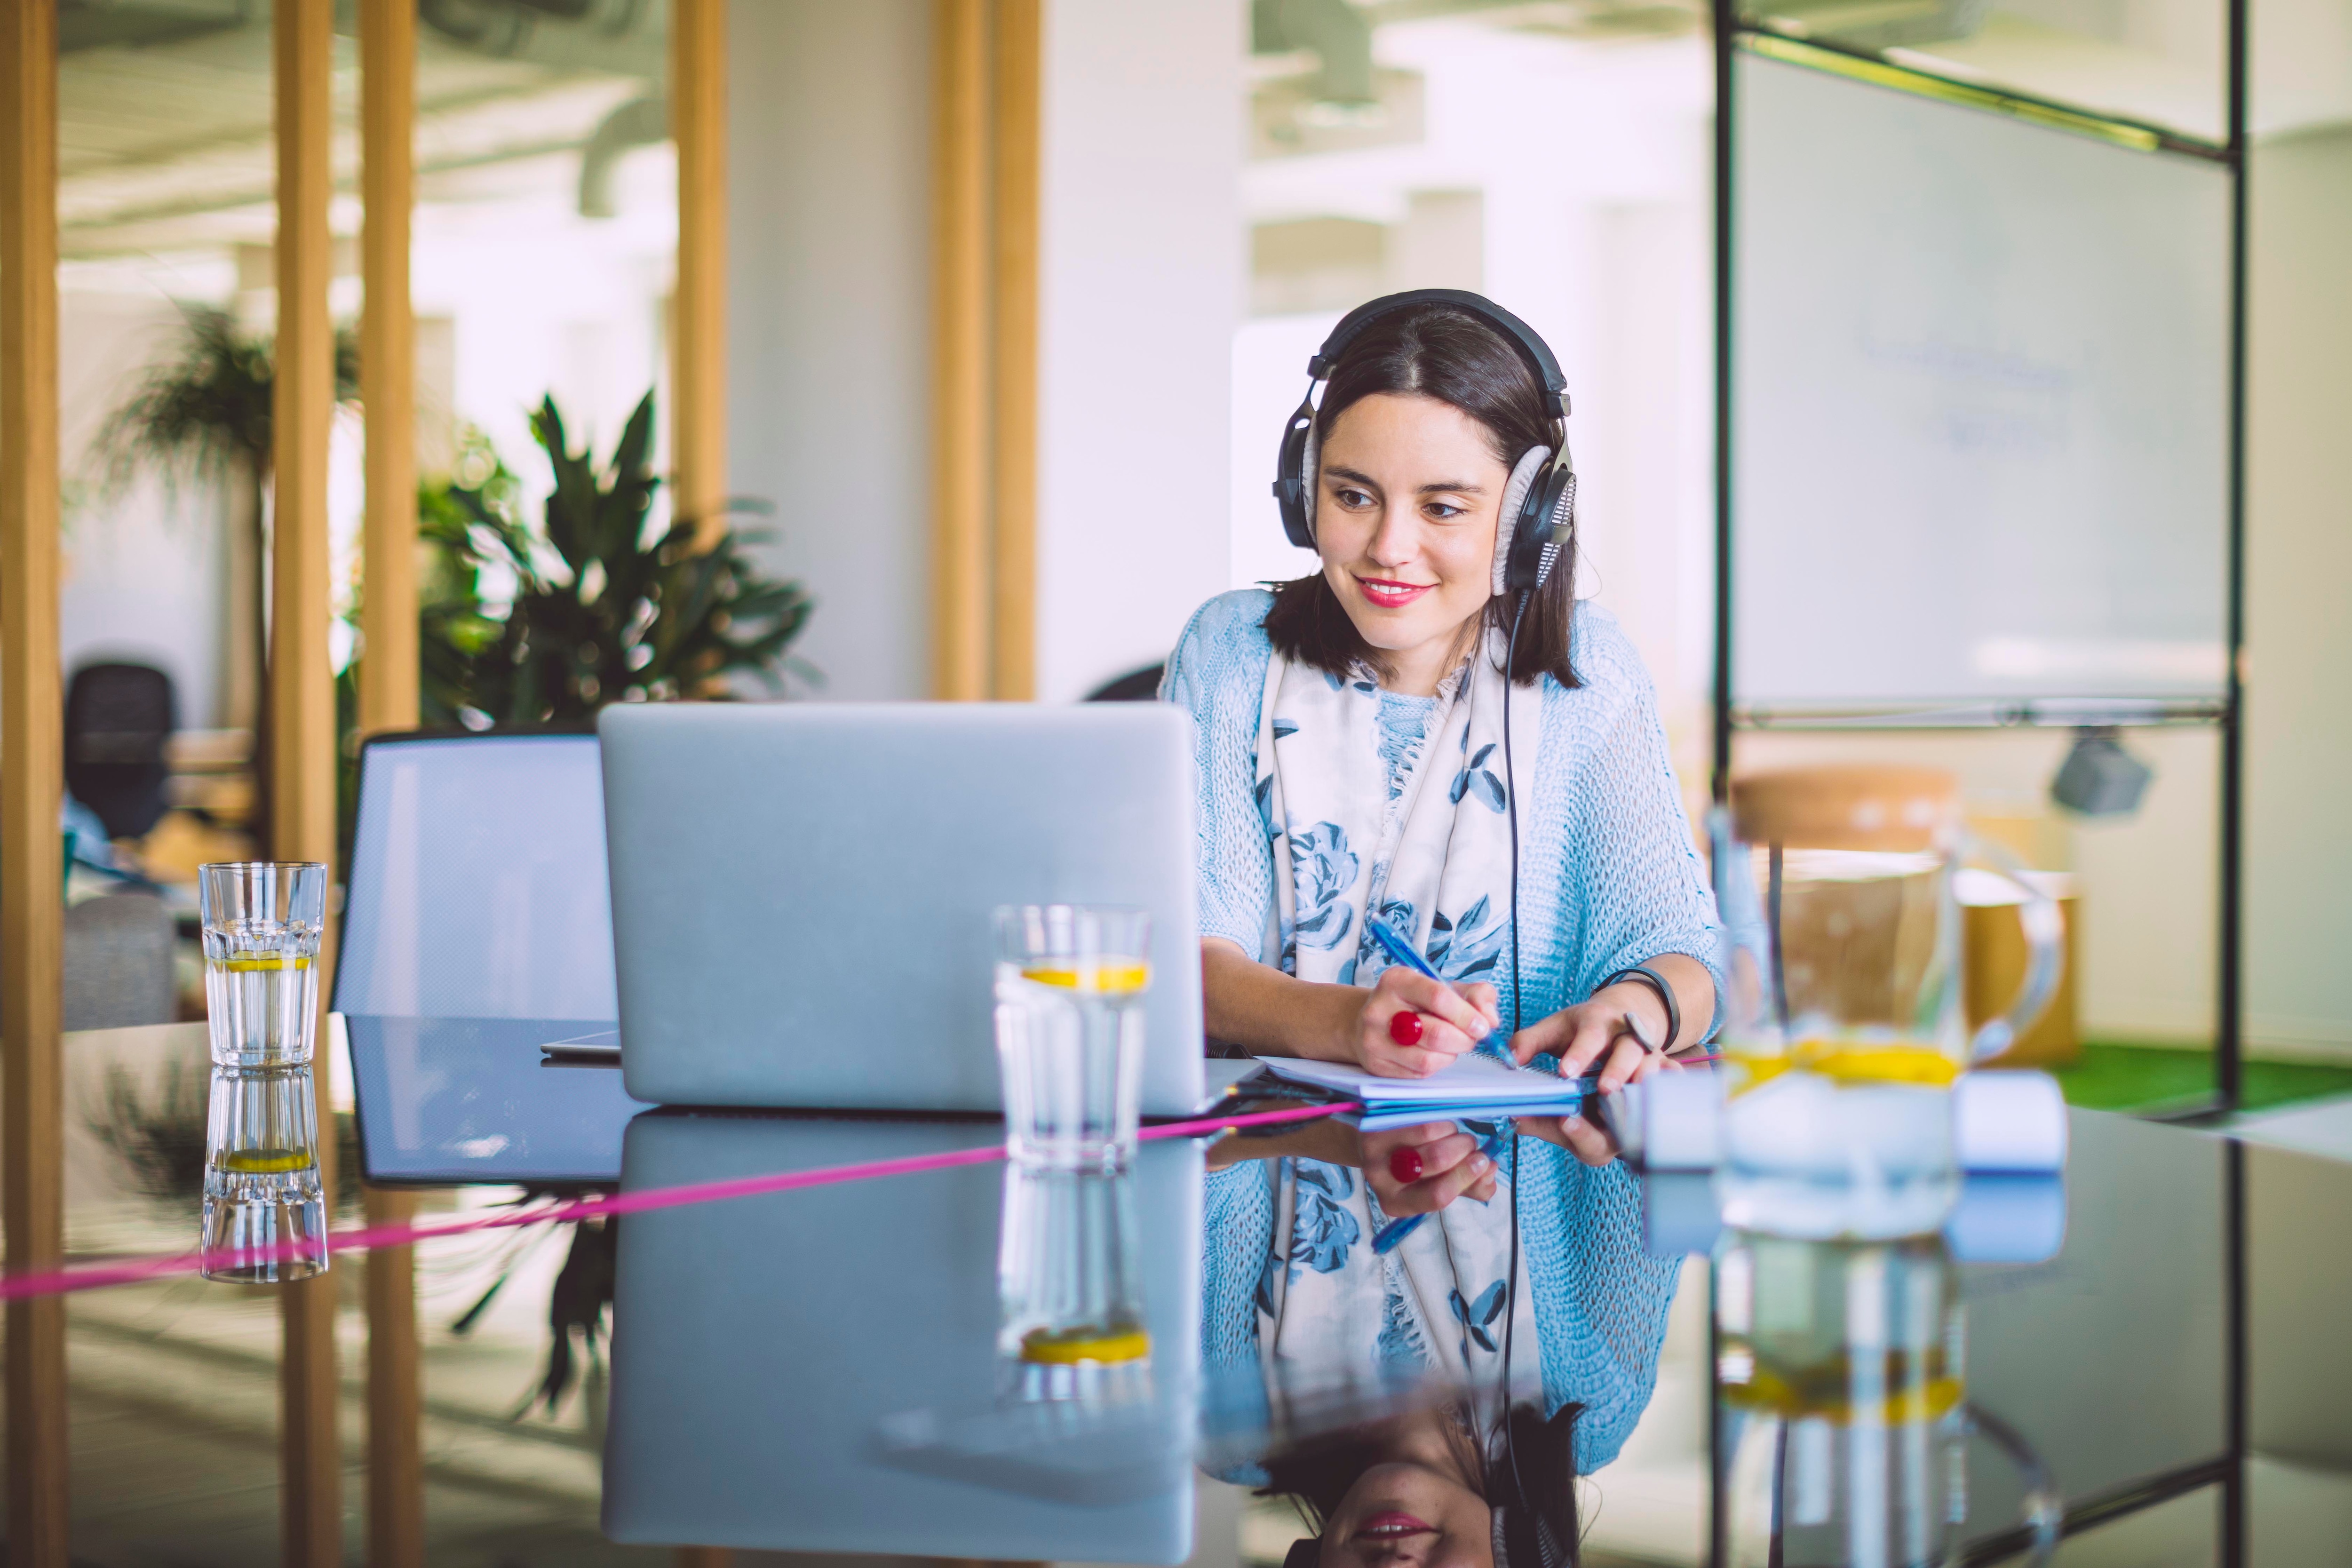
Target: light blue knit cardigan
(1608, 877)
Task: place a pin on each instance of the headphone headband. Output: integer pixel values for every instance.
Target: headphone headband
(1539, 520)
(1530, 345)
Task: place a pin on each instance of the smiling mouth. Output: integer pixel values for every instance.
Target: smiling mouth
(1391, 595)
(1393, 1526)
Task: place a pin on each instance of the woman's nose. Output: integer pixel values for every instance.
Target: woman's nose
(1397, 539)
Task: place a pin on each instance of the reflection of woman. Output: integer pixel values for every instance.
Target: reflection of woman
(1351, 764)
(1425, 1490)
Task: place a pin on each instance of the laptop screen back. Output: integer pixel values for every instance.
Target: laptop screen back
(478, 886)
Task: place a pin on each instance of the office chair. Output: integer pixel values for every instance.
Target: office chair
(118, 718)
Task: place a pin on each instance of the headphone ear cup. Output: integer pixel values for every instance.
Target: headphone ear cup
(1310, 482)
(1294, 477)
(1305, 1552)
(1511, 521)
(1551, 529)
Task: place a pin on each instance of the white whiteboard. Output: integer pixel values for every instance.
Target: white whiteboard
(1981, 397)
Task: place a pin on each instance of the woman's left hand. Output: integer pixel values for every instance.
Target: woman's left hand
(1591, 1037)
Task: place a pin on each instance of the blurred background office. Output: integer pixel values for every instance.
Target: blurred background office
(1214, 185)
(1012, 311)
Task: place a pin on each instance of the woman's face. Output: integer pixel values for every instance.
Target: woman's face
(1405, 523)
(1408, 1515)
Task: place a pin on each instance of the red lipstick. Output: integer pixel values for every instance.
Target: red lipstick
(1387, 594)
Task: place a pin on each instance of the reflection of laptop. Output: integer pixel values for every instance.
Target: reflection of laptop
(802, 892)
(477, 933)
(764, 1347)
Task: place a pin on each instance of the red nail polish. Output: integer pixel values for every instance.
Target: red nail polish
(1404, 1028)
(1405, 1165)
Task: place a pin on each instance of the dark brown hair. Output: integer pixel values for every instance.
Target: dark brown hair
(1316, 1474)
(1444, 352)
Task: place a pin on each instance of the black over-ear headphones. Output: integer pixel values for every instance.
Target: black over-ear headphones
(1543, 483)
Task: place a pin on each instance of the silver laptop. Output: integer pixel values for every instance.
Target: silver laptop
(802, 892)
(476, 962)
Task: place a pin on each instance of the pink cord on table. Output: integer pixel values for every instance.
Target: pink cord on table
(130, 1271)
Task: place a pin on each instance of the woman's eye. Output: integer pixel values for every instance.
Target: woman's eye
(1445, 511)
(1354, 501)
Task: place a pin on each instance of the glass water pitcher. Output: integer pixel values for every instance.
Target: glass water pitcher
(1844, 1028)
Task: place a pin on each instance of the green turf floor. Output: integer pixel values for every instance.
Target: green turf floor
(2115, 1076)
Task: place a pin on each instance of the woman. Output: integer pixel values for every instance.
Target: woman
(1361, 753)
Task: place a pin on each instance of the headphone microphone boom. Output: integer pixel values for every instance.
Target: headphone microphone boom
(1539, 515)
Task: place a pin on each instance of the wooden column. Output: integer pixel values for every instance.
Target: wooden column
(301, 694)
(961, 500)
(984, 348)
(1018, 71)
(388, 691)
(697, 375)
(32, 763)
(698, 122)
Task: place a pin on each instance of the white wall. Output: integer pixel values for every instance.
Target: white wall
(829, 126)
(2299, 561)
(1141, 285)
(142, 568)
(1583, 168)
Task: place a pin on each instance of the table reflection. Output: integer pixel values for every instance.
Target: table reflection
(1500, 1350)
(890, 1366)
(976, 1363)
(264, 1206)
(1841, 1368)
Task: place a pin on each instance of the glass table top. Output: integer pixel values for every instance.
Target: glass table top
(982, 1362)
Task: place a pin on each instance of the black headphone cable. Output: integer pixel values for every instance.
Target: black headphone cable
(1511, 1294)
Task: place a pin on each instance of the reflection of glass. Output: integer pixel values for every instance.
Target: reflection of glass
(1842, 1373)
(262, 1188)
(261, 923)
(1842, 1367)
(1844, 1029)
(1070, 983)
(1066, 1275)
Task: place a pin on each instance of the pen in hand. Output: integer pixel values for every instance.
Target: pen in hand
(1400, 951)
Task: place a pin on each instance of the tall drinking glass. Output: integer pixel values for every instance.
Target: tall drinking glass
(262, 922)
(1070, 984)
(265, 1206)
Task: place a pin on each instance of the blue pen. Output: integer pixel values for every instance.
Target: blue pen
(1386, 1239)
(1402, 952)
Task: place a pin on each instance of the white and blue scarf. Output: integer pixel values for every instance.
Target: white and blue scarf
(1396, 805)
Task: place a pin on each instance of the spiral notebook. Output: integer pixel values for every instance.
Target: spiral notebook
(1473, 1079)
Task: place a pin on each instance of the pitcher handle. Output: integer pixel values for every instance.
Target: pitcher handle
(2045, 925)
(2042, 1509)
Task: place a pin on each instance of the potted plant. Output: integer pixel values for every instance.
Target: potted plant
(206, 413)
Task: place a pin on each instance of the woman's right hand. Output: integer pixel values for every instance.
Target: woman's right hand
(1419, 1170)
(1444, 1024)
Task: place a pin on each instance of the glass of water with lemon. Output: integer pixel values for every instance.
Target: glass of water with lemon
(1070, 985)
(262, 920)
